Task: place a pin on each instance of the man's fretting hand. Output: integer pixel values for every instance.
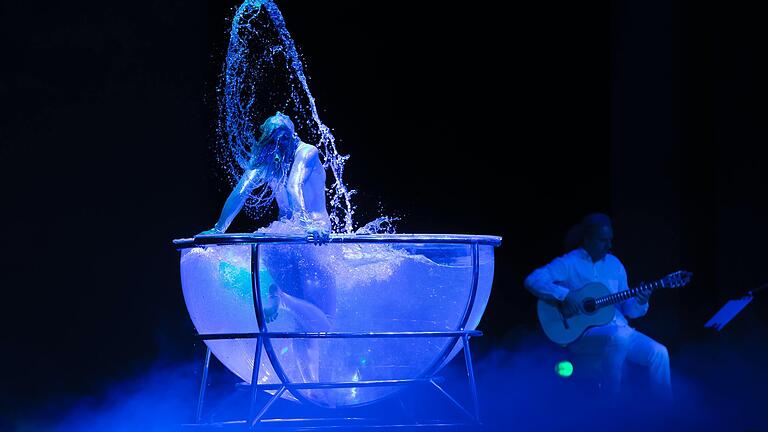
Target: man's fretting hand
(643, 296)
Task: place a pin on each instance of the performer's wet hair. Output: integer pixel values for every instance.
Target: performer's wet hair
(588, 225)
(276, 144)
(272, 157)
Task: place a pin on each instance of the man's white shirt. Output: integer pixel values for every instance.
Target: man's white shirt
(576, 269)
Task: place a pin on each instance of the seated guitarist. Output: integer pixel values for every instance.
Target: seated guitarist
(614, 343)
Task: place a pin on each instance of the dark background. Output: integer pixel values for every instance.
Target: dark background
(511, 120)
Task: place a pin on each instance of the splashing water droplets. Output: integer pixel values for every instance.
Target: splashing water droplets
(264, 74)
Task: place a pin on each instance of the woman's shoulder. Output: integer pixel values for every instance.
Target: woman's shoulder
(306, 151)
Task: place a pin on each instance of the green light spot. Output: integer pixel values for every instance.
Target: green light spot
(284, 350)
(564, 369)
(363, 360)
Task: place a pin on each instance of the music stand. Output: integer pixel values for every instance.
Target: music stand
(731, 309)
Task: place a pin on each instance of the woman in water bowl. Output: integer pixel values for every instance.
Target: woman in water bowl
(283, 168)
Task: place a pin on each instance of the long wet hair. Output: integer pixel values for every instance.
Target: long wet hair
(272, 157)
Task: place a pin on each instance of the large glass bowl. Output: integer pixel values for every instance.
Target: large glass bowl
(356, 283)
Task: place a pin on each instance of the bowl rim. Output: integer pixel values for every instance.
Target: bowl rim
(257, 238)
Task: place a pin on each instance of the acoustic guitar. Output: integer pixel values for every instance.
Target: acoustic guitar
(597, 301)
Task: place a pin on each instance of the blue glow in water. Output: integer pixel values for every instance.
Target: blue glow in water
(263, 74)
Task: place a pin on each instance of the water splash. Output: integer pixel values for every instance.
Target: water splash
(263, 74)
(380, 225)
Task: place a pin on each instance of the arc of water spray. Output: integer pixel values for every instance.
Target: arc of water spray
(241, 129)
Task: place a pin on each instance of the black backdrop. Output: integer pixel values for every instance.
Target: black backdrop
(512, 121)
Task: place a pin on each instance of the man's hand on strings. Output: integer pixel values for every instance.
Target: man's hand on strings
(571, 306)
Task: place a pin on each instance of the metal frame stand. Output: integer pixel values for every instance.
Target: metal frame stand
(257, 414)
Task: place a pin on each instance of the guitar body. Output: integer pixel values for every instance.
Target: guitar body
(562, 330)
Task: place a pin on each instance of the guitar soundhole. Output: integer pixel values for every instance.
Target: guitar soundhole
(589, 306)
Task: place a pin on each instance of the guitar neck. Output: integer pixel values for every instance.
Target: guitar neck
(625, 295)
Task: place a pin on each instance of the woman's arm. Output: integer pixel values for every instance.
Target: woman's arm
(236, 200)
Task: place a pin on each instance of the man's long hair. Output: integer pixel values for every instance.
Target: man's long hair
(272, 157)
